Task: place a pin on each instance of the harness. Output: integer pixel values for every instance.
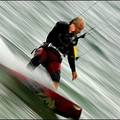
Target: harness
(51, 48)
(63, 48)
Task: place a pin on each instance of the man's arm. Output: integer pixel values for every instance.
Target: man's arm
(51, 35)
(54, 33)
(71, 61)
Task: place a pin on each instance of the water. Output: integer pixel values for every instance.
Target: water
(24, 25)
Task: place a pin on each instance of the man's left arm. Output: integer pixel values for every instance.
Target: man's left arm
(71, 61)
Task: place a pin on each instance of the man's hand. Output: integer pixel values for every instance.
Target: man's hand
(83, 36)
(74, 75)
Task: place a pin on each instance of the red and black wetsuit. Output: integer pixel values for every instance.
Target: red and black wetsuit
(62, 40)
(49, 57)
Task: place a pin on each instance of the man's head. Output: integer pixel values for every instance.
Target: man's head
(76, 25)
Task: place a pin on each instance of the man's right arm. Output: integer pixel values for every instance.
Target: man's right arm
(52, 34)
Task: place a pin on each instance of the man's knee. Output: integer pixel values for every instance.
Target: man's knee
(55, 76)
(34, 62)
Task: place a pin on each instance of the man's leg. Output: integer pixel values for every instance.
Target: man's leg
(56, 80)
(39, 57)
(54, 71)
(34, 62)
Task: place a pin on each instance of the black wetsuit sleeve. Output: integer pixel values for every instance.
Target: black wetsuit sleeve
(53, 33)
(71, 59)
(51, 36)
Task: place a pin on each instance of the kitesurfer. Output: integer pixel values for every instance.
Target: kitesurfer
(61, 40)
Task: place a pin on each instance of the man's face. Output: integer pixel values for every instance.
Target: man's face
(79, 27)
(76, 28)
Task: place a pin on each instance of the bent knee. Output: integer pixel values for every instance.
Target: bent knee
(55, 76)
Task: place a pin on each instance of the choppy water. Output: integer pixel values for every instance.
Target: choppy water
(24, 25)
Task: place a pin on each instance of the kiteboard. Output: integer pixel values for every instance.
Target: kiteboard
(55, 102)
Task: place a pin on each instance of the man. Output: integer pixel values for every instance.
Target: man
(61, 40)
